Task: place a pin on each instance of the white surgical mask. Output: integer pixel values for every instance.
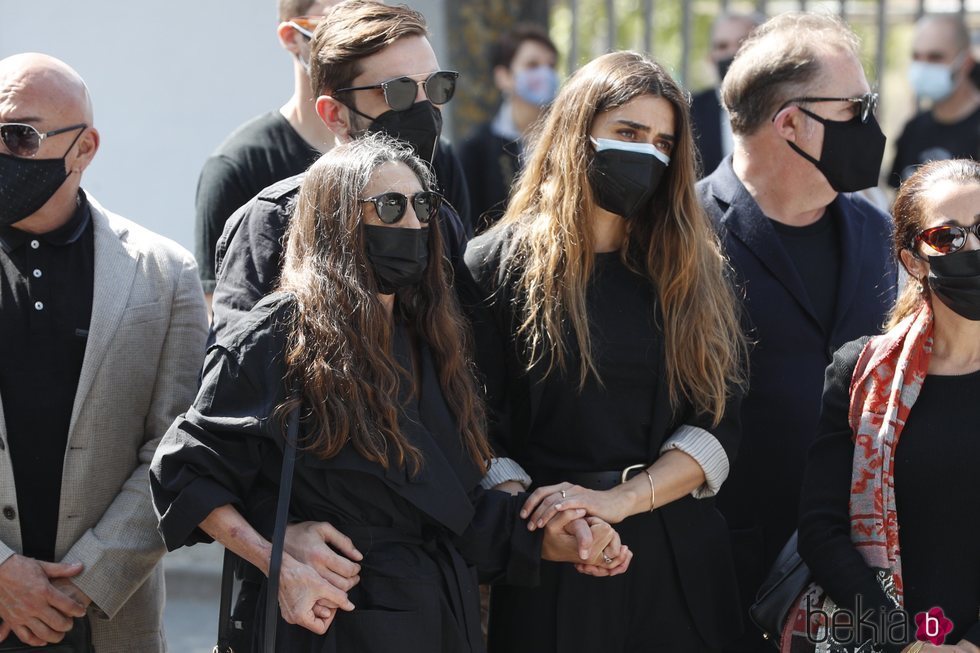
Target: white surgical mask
(935, 81)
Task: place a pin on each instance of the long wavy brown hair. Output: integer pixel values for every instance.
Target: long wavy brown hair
(340, 340)
(550, 215)
(911, 211)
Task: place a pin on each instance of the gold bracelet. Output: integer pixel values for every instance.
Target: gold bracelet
(653, 494)
(916, 647)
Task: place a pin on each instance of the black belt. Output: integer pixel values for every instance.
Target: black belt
(590, 480)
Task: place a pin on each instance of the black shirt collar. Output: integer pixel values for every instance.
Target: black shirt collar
(66, 234)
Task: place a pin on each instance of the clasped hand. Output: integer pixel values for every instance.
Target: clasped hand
(38, 600)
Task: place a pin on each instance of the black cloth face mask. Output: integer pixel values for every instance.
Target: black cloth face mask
(851, 155)
(624, 176)
(420, 126)
(955, 280)
(27, 184)
(398, 255)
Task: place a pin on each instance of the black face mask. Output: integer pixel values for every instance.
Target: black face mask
(955, 280)
(419, 125)
(723, 66)
(624, 180)
(851, 155)
(27, 184)
(398, 255)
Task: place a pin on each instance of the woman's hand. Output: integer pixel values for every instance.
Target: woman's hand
(328, 551)
(612, 506)
(589, 542)
(306, 599)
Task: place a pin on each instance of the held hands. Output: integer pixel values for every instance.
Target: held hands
(320, 574)
(35, 602)
(592, 544)
(544, 503)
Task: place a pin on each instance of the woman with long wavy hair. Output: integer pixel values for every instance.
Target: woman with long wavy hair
(623, 366)
(365, 340)
(890, 503)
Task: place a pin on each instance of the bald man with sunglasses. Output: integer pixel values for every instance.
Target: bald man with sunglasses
(103, 328)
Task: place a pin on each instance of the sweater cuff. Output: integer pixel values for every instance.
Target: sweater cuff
(707, 452)
(502, 470)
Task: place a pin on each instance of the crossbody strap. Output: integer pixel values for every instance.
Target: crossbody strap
(279, 534)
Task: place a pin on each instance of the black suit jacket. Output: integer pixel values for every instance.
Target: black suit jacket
(779, 415)
(706, 123)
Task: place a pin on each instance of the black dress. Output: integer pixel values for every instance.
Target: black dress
(423, 537)
(679, 593)
(937, 495)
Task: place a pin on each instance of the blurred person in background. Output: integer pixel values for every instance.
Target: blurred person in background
(811, 258)
(103, 326)
(524, 62)
(940, 73)
(890, 509)
(270, 147)
(712, 130)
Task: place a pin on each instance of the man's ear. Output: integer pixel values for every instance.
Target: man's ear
(336, 116)
(503, 79)
(787, 123)
(287, 37)
(88, 145)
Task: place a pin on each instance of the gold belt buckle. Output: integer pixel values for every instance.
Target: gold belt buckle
(623, 478)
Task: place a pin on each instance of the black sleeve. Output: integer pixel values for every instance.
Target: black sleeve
(452, 180)
(825, 527)
(497, 541)
(213, 455)
(250, 260)
(220, 191)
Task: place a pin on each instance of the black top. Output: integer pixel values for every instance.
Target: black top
(549, 426)
(925, 139)
(248, 257)
(706, 116)
(815, 251)
(628, 351)
(937, 494)
(257, 154)
(46, 285)
(422, 536)
(491, 164)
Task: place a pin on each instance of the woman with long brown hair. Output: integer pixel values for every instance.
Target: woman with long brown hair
(623, 366)
(365, 340)
(890, 504)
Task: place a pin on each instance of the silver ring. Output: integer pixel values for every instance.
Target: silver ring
(606, 558)
(562, 494)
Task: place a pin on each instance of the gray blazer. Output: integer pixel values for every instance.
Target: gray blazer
(141, 367)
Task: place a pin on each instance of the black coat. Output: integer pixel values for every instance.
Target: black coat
(706, 115)
(423, 536)
(491, 164)
(790, 353)
(687, 538)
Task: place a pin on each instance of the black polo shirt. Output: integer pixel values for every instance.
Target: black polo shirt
(45, 307)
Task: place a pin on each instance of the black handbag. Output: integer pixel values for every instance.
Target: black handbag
(76, 640)
(786, 581)
(236, 627)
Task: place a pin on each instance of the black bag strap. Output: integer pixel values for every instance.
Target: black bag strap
(224, 606)
(279, 534)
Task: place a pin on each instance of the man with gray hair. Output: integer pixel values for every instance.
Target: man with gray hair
(812, 259)
(712, 132)
(940, 73)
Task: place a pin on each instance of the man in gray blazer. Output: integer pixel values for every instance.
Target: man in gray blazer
(102, 331)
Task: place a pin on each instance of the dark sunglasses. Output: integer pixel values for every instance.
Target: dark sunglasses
(947, 238)
(400, 92)
(867, 103)
(24, 140)
(391, 206)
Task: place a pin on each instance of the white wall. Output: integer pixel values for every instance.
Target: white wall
(169, 80)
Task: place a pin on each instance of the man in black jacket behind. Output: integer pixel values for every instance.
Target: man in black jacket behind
(813, 261)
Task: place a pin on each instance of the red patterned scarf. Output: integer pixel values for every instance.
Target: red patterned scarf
(886, 382)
